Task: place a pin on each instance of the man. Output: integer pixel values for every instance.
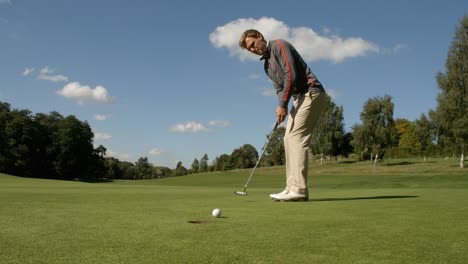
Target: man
(291, 77)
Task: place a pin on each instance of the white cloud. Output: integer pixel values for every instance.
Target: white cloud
(120, 156)
(100, 117)
(74, 90)
(189, 127)
(103, 136)
(47, 70)
(28, 71)
(82, 93)
(155, 151)
(46, 74)
(194, 127)
(5, 2)
(219, 123)
(311, 45)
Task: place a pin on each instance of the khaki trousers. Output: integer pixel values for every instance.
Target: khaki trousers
(303, 117)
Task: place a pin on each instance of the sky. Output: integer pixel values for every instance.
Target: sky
(166, 80)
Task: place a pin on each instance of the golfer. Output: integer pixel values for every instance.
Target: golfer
(291, 77)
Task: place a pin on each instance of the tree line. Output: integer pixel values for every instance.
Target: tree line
(56, 147)
(46, 146)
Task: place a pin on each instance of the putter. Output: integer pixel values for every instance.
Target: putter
(258, 161)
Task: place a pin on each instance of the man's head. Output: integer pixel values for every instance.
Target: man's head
(253, 41)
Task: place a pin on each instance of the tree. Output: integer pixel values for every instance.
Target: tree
(238, 159)
(20, 136)
(4, 153)
(195, 165)
(425, 130)
(127, 169)
(131, 173)
(48, 126)
(144, 168)
(223, 163)
(160, 171)
(48, 146)
(406, 135)
(401, 126)
(347, 147)
(97, 166)
(451, 112)
(410, 139)
(112, 168)
(244, 157)
(329, 134)
(377, 130)
(101, 151)
(203, 164)
(250, 154)
(360, 141)
(277, 156)
(180, 170)
(274, 152)
(74, 140)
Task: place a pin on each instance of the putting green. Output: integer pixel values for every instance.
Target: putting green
(397, 212)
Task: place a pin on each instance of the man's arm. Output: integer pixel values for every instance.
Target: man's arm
(287, 62)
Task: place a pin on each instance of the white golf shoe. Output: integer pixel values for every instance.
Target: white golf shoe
(289, 197)
(276, 196)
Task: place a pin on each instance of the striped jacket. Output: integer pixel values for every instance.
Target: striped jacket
(289, 73)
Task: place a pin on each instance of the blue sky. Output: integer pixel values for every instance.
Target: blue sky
(166, 80)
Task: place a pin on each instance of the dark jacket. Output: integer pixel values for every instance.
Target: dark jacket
(290, 74)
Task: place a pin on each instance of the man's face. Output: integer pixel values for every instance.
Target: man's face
(256, 45)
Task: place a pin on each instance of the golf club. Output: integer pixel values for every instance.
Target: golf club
(258, 161)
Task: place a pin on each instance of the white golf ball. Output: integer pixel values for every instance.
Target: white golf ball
(216, 212)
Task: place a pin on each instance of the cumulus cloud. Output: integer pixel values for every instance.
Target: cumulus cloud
(82, 93)
(47, 74)
(28, 71)
(103, 136)
(100, 117)
(155, 151)
(74, 90)
(311, 45)
(189, 127)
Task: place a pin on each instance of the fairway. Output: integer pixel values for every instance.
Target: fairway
(401, 211)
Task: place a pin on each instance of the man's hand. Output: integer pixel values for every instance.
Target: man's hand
(281, 114)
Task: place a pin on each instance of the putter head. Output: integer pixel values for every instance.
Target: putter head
(241, 193)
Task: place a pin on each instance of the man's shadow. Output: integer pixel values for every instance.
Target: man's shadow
(362, 198)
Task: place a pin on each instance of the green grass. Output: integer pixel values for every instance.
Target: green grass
(402, 211)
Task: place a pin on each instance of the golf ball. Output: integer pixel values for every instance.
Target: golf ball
(216, 212)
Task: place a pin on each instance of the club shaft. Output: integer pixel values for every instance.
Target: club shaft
(260, 157)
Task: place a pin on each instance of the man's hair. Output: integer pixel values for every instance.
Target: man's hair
(248, 33)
